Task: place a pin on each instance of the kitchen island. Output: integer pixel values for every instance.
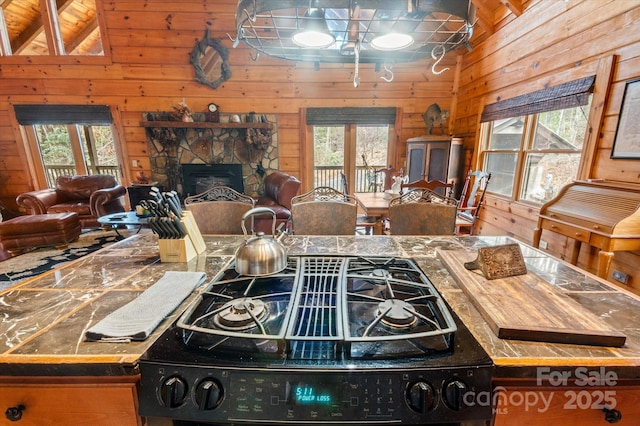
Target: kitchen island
(48, 368)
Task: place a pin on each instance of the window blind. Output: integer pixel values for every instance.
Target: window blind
(334, 116)
(63, 114)
(568, 95)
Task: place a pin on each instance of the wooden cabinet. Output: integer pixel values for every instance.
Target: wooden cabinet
(93, 401)
(435, 158)
(566, 405)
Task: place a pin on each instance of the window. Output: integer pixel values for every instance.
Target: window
(69, 140)
(68, 150)
(335, 152)
(532, 144)
(501, 156)
(353, 142)
(531, 157)
(48, 27)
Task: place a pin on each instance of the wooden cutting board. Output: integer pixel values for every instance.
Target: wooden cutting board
(525, 307)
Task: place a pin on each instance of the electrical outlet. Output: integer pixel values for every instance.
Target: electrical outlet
(620, 276)
(543, 245)
(134, 163)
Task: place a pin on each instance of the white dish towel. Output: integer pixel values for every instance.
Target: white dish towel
(137, 319)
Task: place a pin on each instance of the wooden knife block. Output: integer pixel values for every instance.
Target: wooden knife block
(183, 249)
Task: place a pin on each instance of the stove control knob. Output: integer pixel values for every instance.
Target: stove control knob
(173, 392)
(453, 394)
(420, 397)
(208, 394)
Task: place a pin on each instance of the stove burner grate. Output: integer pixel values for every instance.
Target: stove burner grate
(322, 308)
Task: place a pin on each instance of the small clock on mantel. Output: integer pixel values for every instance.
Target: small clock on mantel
(213, 113)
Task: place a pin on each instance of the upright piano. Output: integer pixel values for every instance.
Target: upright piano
(602, 214)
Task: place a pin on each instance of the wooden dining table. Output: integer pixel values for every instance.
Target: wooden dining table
(377, 205)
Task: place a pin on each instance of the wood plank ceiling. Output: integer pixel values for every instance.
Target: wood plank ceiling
(78, 25)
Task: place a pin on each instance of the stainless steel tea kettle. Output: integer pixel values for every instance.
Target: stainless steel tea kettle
(260, 254)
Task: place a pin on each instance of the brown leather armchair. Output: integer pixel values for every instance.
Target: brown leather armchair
(91, 196)
(279, 189)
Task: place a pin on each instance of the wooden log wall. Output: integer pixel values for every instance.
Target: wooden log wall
(147, 69)
(550, 43)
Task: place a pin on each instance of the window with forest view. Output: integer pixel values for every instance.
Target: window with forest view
(531, 157)
(355, 150)
(75, 150)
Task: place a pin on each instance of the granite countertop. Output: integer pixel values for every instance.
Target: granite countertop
(45, 318)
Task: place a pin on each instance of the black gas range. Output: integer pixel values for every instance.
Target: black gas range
(329, 340)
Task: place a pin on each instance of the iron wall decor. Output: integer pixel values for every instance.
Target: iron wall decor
(204, 57)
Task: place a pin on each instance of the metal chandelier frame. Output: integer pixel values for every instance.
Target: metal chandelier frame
(437, 27)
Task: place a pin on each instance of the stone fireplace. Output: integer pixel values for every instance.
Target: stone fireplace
(254, 150)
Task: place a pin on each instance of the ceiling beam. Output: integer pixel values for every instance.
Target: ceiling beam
(27, 36)
(81, 36)
(515, 6)
(484, 15)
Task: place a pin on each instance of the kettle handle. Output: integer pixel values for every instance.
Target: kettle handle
(257, 211)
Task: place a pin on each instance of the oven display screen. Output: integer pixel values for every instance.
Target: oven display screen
(302, 393)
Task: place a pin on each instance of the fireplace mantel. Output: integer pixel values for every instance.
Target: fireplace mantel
(205, 125)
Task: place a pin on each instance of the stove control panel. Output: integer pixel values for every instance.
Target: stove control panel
(286, 397)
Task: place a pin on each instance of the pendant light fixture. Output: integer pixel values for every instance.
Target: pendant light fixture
(395, 34)
(314, 32)
(392, 40)
(327, 31)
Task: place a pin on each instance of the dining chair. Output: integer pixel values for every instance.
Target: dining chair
(471, 200)
(364, 222)
(323, 211)
(388, 175)
(219, 210)
(437, 186)
(422, 212)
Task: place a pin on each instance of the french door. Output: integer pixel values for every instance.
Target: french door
(354, 150)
